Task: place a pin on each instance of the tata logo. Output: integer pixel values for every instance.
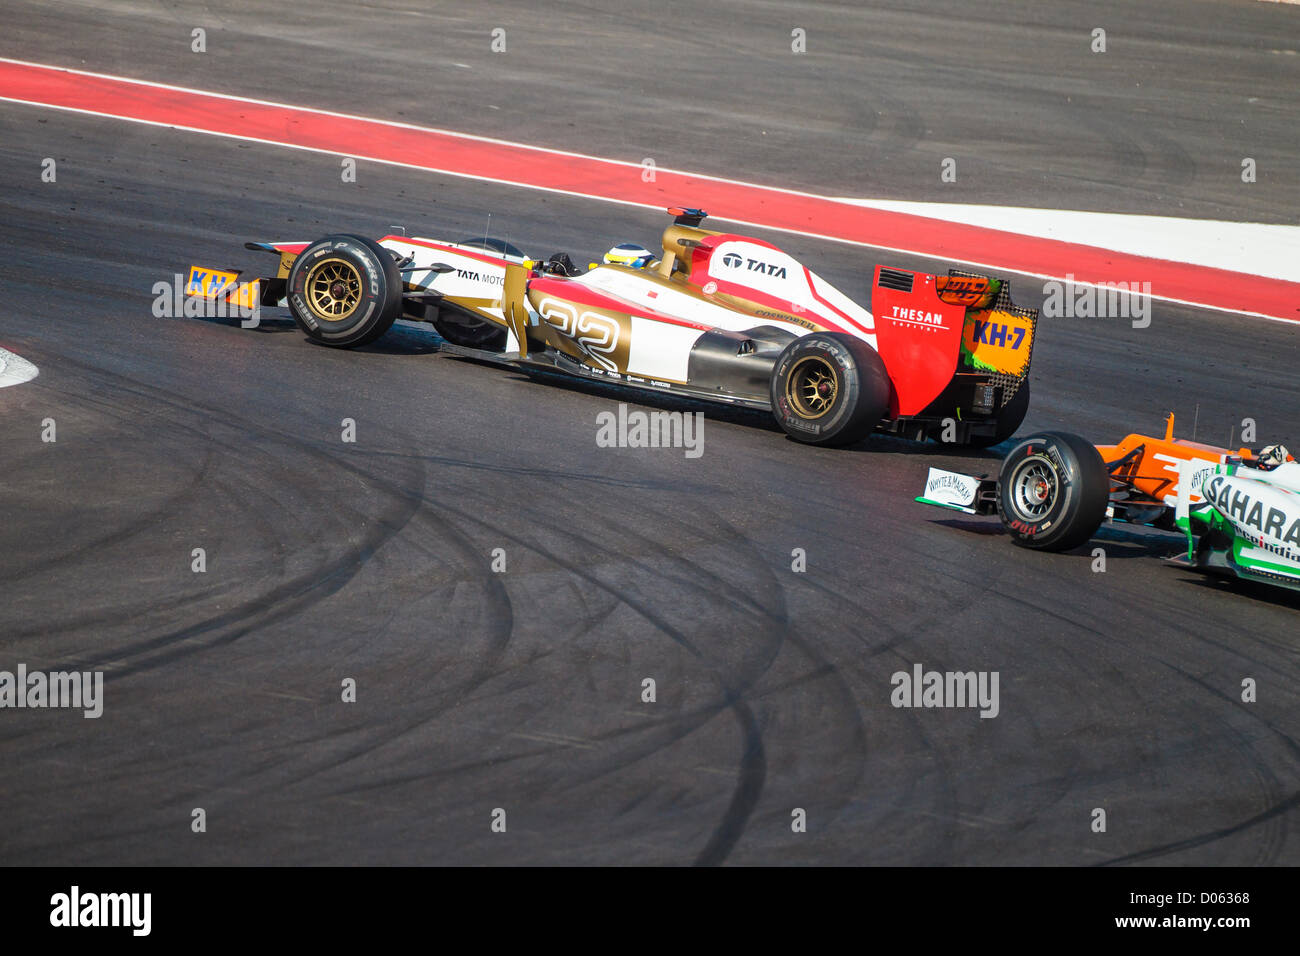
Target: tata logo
(994, 333)
(768, 268)
(478, 277)
(735, 261)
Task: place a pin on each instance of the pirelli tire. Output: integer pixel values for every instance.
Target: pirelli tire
(829, 388)
(1010, 417)
(344, 291)
(1053, 489)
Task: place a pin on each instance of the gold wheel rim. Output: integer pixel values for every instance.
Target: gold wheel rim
(333, 289)
(812, 387)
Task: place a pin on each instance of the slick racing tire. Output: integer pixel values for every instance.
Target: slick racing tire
(1053, 489)
(464, 328)
(344, 291)
(1009, 419)
(829, 388)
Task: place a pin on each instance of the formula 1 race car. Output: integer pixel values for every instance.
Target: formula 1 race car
(713, 315)
(1240, 510)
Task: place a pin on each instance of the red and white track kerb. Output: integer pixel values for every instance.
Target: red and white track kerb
(515, 164)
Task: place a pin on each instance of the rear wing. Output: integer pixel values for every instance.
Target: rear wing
(931, 328)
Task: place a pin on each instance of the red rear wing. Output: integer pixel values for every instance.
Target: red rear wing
(918, 336)
(929, 328)
(970, 291)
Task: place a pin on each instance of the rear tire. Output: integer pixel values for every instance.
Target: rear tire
(829, 388)
(1011, 417)
(1053, 489)
(344, 291)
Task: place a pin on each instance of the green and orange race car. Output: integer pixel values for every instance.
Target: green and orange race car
(1239, 508)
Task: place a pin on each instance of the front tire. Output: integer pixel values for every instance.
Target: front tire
(344, 291)
(1053, 489)
(829, 388)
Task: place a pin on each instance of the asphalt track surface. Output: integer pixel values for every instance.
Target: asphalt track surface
(522, 691)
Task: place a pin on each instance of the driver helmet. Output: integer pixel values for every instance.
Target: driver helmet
(1272, 456)
(629, 254)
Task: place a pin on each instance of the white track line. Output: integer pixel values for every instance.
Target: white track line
(976, 262)
(1250, 248)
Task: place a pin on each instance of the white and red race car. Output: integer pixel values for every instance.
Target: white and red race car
(711, 315)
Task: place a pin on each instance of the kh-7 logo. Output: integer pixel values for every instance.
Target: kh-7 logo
(209, 282)
(994, 333)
